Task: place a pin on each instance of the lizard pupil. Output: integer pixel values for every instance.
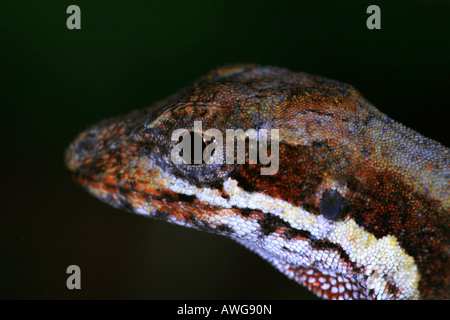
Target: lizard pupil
(190, 141)
(331, 204)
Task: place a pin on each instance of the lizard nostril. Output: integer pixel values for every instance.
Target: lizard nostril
(86, 145)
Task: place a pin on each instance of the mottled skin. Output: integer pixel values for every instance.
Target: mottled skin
(392, 181)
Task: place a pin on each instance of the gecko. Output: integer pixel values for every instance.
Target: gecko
(357, 208)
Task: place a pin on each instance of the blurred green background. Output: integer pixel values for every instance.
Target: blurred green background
(56, 81)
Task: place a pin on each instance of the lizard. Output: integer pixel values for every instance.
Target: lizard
(358, 207)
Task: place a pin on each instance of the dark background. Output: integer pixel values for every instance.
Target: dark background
(56, 81)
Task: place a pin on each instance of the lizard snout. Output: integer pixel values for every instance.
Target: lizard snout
(81, 150)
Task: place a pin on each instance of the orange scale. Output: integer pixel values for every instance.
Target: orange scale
(151, 190)
(111, 190)
(79, 180)
(140, 172)
(96, 184)
(109, 180)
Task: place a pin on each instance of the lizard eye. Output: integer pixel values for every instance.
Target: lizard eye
(331, 204)
(192, 156)
(204, 172)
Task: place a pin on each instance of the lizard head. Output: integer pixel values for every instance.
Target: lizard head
(278, 161)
